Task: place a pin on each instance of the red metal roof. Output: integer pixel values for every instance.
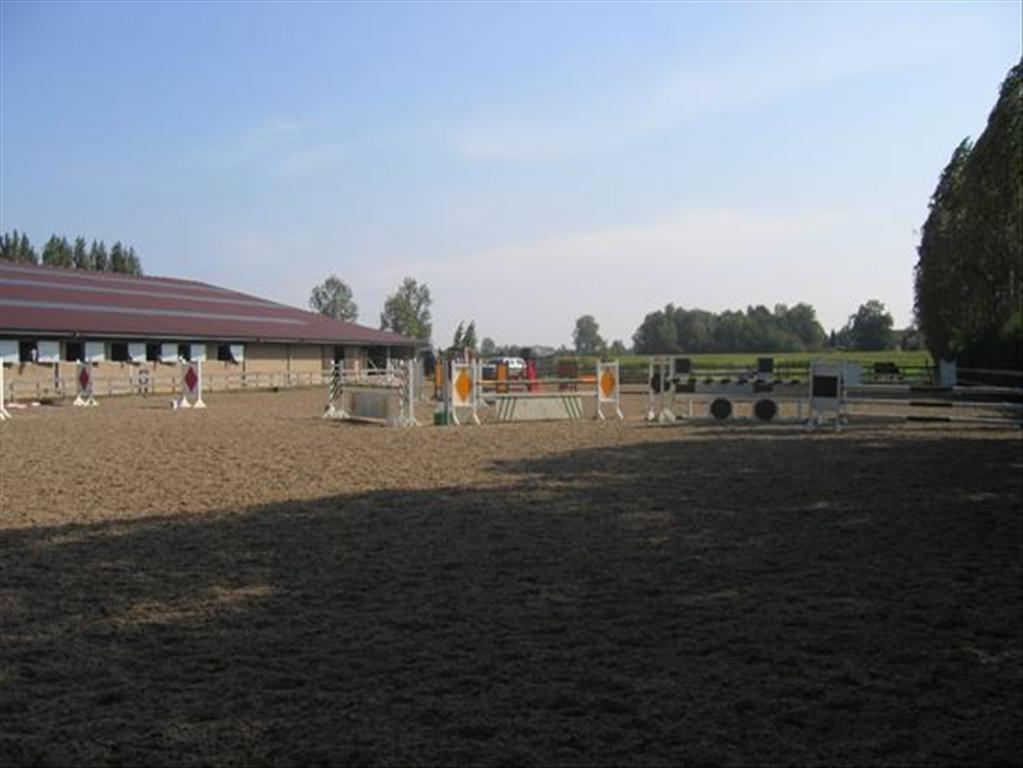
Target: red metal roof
(37, 301)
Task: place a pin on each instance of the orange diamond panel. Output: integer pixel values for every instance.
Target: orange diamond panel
(607, 383)
(463, 385)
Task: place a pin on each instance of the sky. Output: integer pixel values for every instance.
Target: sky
(530, 163)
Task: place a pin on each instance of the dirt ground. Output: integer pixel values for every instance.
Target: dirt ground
(254, 585)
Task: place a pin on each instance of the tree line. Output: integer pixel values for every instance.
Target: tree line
(969, 275)
(665, 331)
(58, 252)
(757, 329)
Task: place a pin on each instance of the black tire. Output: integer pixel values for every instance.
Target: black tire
(721, 408)
(765, 409)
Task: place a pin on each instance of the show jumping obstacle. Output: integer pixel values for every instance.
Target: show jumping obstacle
(83, 377)
(530, 399)
(191, 385)
(664, 374)
(836, 395)
(385, 396)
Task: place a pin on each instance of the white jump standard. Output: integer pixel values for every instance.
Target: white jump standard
(826, 394)
(663, 375)
(191, 385)
(463, 390)
(83, 376)
(609, 388)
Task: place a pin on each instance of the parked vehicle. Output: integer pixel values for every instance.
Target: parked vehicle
(516, 367)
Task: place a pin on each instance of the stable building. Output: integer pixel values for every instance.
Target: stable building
(130, 328)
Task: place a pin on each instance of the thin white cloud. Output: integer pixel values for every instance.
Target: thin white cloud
(279, 147)
(760, 74)
(715, 259)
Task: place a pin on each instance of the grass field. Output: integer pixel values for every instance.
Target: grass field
(251, 584)
(914, 364)
(900, 357)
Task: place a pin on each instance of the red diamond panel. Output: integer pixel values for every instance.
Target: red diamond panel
(83, 378)
(191, 379)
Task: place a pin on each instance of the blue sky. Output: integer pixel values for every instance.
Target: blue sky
(529, 162)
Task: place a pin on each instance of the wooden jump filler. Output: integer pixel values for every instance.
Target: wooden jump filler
(384, 396)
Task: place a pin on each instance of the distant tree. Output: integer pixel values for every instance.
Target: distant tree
(407, 311)
(27, 254)
(469, 340)
(694, 330)
(487, 347)
(134, 264)
(118, 258)
(910, 339)
(871, 327)
(658, 333)
(80, 255)
(732, 333)
(801, 322)
(98, 256)
(458, 340)
(757, 329)
(57, 252)
(464, 337)
(587, 337)
(617, 349)
(16, 247)
(333, 298)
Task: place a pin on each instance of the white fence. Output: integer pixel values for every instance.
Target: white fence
(143, 383)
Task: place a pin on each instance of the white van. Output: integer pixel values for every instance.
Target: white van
(516, 367)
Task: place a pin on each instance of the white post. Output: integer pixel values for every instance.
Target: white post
(947, 373)
(182, 370)
(333, 387)
(668, 411)
(826, 393)
(409, 404)
(4, 415)
(650, 415)
(198, 387)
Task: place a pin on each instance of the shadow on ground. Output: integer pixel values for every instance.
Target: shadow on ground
(741, 600)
